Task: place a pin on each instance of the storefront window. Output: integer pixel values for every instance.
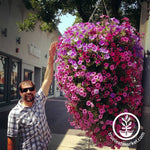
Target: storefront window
(14, 79)
(2, 77)
(27, 74)
(10, 76)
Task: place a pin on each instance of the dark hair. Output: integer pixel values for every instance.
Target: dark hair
(24, 82)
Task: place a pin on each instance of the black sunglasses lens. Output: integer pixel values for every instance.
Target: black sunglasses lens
(31, 89)
(26, 89)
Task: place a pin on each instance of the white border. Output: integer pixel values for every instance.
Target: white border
(126, 113)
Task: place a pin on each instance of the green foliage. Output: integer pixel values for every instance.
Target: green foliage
(47, 26)
(132, 10)
(47, 12)
(44, 11)
(78, 18)
(28, 24)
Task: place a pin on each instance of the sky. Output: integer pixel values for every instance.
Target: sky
(66, 21)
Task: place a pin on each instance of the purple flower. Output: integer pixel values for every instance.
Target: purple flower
(90, 45)
(81, 36)
(115, 20)
(75, 66)
(103, 50)
(85, 48)
(94, 49)
(112, 95)
(79, 42)
(101, 42)
(80, 62)
(106, 56)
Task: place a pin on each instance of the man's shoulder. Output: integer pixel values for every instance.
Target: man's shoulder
(40, 94)
(16, 109)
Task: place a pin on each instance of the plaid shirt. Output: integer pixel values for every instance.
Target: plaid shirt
(30, 124)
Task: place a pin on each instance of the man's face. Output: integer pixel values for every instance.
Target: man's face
(28, 92)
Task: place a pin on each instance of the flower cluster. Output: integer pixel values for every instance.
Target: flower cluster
(99, 70)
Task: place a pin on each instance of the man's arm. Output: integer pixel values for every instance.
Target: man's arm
(10, 143)
(49, 69)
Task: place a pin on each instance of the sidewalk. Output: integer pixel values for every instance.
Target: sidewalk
(76, 140)
(72, 140)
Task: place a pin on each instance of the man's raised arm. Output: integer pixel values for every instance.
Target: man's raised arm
(49, 69)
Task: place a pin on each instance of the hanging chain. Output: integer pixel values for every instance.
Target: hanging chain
(96, 7)
(105, 8)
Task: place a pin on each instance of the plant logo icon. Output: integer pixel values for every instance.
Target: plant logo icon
(126, 126)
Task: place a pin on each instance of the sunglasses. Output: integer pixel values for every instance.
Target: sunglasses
(26, 89)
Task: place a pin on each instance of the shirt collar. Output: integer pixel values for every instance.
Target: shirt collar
(22, 106)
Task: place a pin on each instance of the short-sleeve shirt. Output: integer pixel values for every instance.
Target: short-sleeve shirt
(30, 124)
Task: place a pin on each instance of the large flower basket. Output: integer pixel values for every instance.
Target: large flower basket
(100, 70)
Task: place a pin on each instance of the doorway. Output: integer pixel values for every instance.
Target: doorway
(27, 74)
(37, 73)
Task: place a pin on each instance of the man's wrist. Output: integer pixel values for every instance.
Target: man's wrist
(51, 62)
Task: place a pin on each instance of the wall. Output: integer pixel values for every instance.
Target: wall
(33, 47)
(144, 144)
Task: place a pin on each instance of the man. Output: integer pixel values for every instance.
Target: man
(27, 120)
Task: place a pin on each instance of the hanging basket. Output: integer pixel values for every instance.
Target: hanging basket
(100, 70)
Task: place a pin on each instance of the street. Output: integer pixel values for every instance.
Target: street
(57, 116)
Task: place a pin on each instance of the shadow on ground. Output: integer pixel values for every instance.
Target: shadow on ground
(85, 144)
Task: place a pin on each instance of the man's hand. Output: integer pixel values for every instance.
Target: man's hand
(52, 50)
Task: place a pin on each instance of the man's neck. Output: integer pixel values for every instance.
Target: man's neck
(27, 104)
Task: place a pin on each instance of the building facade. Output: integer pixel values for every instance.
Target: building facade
(144, 144)
(23, 55)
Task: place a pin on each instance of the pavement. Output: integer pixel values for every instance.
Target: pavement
(64, 136)
(76, 140)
